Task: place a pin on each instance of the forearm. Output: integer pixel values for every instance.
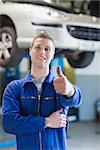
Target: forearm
(13, 120)
(17, 124)
(72, 101)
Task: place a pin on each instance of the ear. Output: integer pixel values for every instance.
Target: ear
(30, 51)
(53, 53)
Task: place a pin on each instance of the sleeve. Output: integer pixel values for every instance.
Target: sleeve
(12, 120)
(73, 101)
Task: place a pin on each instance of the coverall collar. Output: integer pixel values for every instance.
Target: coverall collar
(28, 78)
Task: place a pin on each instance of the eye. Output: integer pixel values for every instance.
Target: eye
(47, 49)
(37, 47)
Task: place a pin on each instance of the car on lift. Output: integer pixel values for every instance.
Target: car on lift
(77, 36)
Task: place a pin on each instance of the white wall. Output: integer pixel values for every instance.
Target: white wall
(89, 81)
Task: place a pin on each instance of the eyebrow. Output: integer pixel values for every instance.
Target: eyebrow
(40, 45)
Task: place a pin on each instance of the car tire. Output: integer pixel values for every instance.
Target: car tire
(81, 60)
(10, 55)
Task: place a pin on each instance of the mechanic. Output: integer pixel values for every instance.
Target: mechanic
(35, 107)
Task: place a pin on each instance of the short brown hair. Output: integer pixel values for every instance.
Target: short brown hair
(42, 35)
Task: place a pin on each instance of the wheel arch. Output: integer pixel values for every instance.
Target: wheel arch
(77, 59)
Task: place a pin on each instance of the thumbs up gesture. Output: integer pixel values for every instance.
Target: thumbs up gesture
(62, 84)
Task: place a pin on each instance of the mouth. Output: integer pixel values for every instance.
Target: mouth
(41, 58)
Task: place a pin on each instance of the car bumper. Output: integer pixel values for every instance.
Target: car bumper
(69, 44)
(63, 39)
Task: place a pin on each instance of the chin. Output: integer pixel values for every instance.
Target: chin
(41, 66)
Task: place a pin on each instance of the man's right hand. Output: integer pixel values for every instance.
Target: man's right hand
(56, 120)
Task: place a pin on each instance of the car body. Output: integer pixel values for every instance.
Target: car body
(76, 36)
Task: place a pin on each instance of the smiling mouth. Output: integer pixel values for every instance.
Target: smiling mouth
(42, 58)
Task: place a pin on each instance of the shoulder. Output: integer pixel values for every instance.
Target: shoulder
(13, 83)
(13, 88)
(17, 83)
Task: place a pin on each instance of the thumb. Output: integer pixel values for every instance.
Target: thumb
(59, 72)
(60, 110)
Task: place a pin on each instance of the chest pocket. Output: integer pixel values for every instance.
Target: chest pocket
(29, 105)
(48, 105)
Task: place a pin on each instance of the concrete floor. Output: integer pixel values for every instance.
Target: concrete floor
(81, 136)
(84, 136)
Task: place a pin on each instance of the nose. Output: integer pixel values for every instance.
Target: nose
(42, 51)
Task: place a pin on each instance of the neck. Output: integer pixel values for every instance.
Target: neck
(39, 72)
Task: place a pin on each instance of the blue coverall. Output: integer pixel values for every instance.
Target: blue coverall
(24, 113)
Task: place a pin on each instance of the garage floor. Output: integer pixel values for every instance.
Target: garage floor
(81, 136)
(84, 136)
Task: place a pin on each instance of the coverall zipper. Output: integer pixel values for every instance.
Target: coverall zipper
(39, 115)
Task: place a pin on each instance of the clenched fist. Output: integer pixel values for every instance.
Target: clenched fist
(56, 120)
(62, 84)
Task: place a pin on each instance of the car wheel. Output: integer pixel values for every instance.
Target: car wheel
(10, 55)
(81, 59)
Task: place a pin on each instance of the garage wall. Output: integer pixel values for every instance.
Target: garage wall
(89, 81)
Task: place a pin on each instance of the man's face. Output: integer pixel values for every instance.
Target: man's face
(42, 52)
